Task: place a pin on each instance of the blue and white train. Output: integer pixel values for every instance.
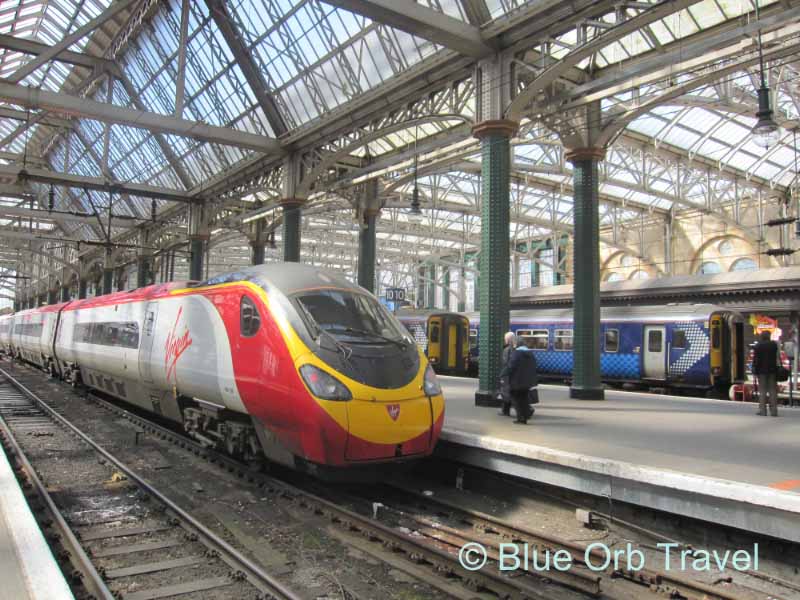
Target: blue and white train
(694, 346)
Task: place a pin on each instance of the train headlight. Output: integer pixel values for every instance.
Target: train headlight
(430, 384)
(323, 385)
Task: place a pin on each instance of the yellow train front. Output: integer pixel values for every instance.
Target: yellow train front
(359, 391)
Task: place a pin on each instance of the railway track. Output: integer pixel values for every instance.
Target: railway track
(112, 549)
(432, 546)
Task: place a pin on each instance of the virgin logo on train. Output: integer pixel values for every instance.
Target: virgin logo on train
(394, 411)
(175, 346)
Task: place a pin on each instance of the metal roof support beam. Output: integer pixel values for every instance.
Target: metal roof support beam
(92, 183)
(423, 22)
(69, 40)
(250, 70)
(476, 11)
(162, 144)
(21, 115)
(77, 59)
(36, 99)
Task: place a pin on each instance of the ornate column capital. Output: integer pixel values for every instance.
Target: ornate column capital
(504, 127)
(576, 154)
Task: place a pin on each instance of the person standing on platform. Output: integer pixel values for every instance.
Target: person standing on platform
(765, 368)
(522, 376)
(509, 343)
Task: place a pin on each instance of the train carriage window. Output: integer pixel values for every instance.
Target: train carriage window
(435, 334)
(563, 340)
(654, 340)
(612, 340)
(678, 338)
(540, 337)
(123, 335)
(250, 319)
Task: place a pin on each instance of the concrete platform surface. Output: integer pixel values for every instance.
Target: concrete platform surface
(710, 459)
(27, 567)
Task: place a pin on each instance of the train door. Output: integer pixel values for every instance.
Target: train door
(737, 347)
(655, 352)
(435, 340)
(146, 347)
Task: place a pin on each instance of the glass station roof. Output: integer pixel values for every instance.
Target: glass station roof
(315, 58)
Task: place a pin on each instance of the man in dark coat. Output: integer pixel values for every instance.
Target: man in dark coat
(765, 368)
(522, 376)
(509, 343)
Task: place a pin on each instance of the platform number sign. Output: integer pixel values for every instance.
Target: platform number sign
(395, 294)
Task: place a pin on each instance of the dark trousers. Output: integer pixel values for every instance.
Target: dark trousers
(520, 400)
(767, 386)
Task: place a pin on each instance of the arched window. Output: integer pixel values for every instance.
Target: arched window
(725, 247)
(709, 268)
(627, 260)
(744, 264)
(614, 277)
(639, 275)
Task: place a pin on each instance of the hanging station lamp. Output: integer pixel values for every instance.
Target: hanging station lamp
(414, 215)
(766, 132)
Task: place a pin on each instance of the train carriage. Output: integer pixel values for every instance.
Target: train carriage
(698, 346)
(284, 359)
(443, 336)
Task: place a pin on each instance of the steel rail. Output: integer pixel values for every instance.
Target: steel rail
(416, 550)
(253, 571)
(90, 578)
(483, 521)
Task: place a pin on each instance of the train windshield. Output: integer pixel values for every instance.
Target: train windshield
(351, 317)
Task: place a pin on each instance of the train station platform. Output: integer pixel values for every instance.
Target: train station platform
(713, 460)
(27, 567)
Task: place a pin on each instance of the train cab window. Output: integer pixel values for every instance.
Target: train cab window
(250, 319)
(563, 340)
(473, 338)
(654, 340)
(678, 338)
(716, 336)
(435, 334)
(612, 340)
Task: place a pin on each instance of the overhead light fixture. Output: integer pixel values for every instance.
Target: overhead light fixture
(415, 214)
(766, 132)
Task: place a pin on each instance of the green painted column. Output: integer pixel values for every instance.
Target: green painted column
(196, 258)
(586, 382)
(366, 251)
(142, 271)
(81, 289)
(495, 137)
(108, 280)
(292, 212)
(431, 287)
(258, 252)
(52, 296)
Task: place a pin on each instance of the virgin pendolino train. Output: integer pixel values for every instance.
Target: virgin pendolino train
(287, 360)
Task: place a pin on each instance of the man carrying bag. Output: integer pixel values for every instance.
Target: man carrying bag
(522, 380)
